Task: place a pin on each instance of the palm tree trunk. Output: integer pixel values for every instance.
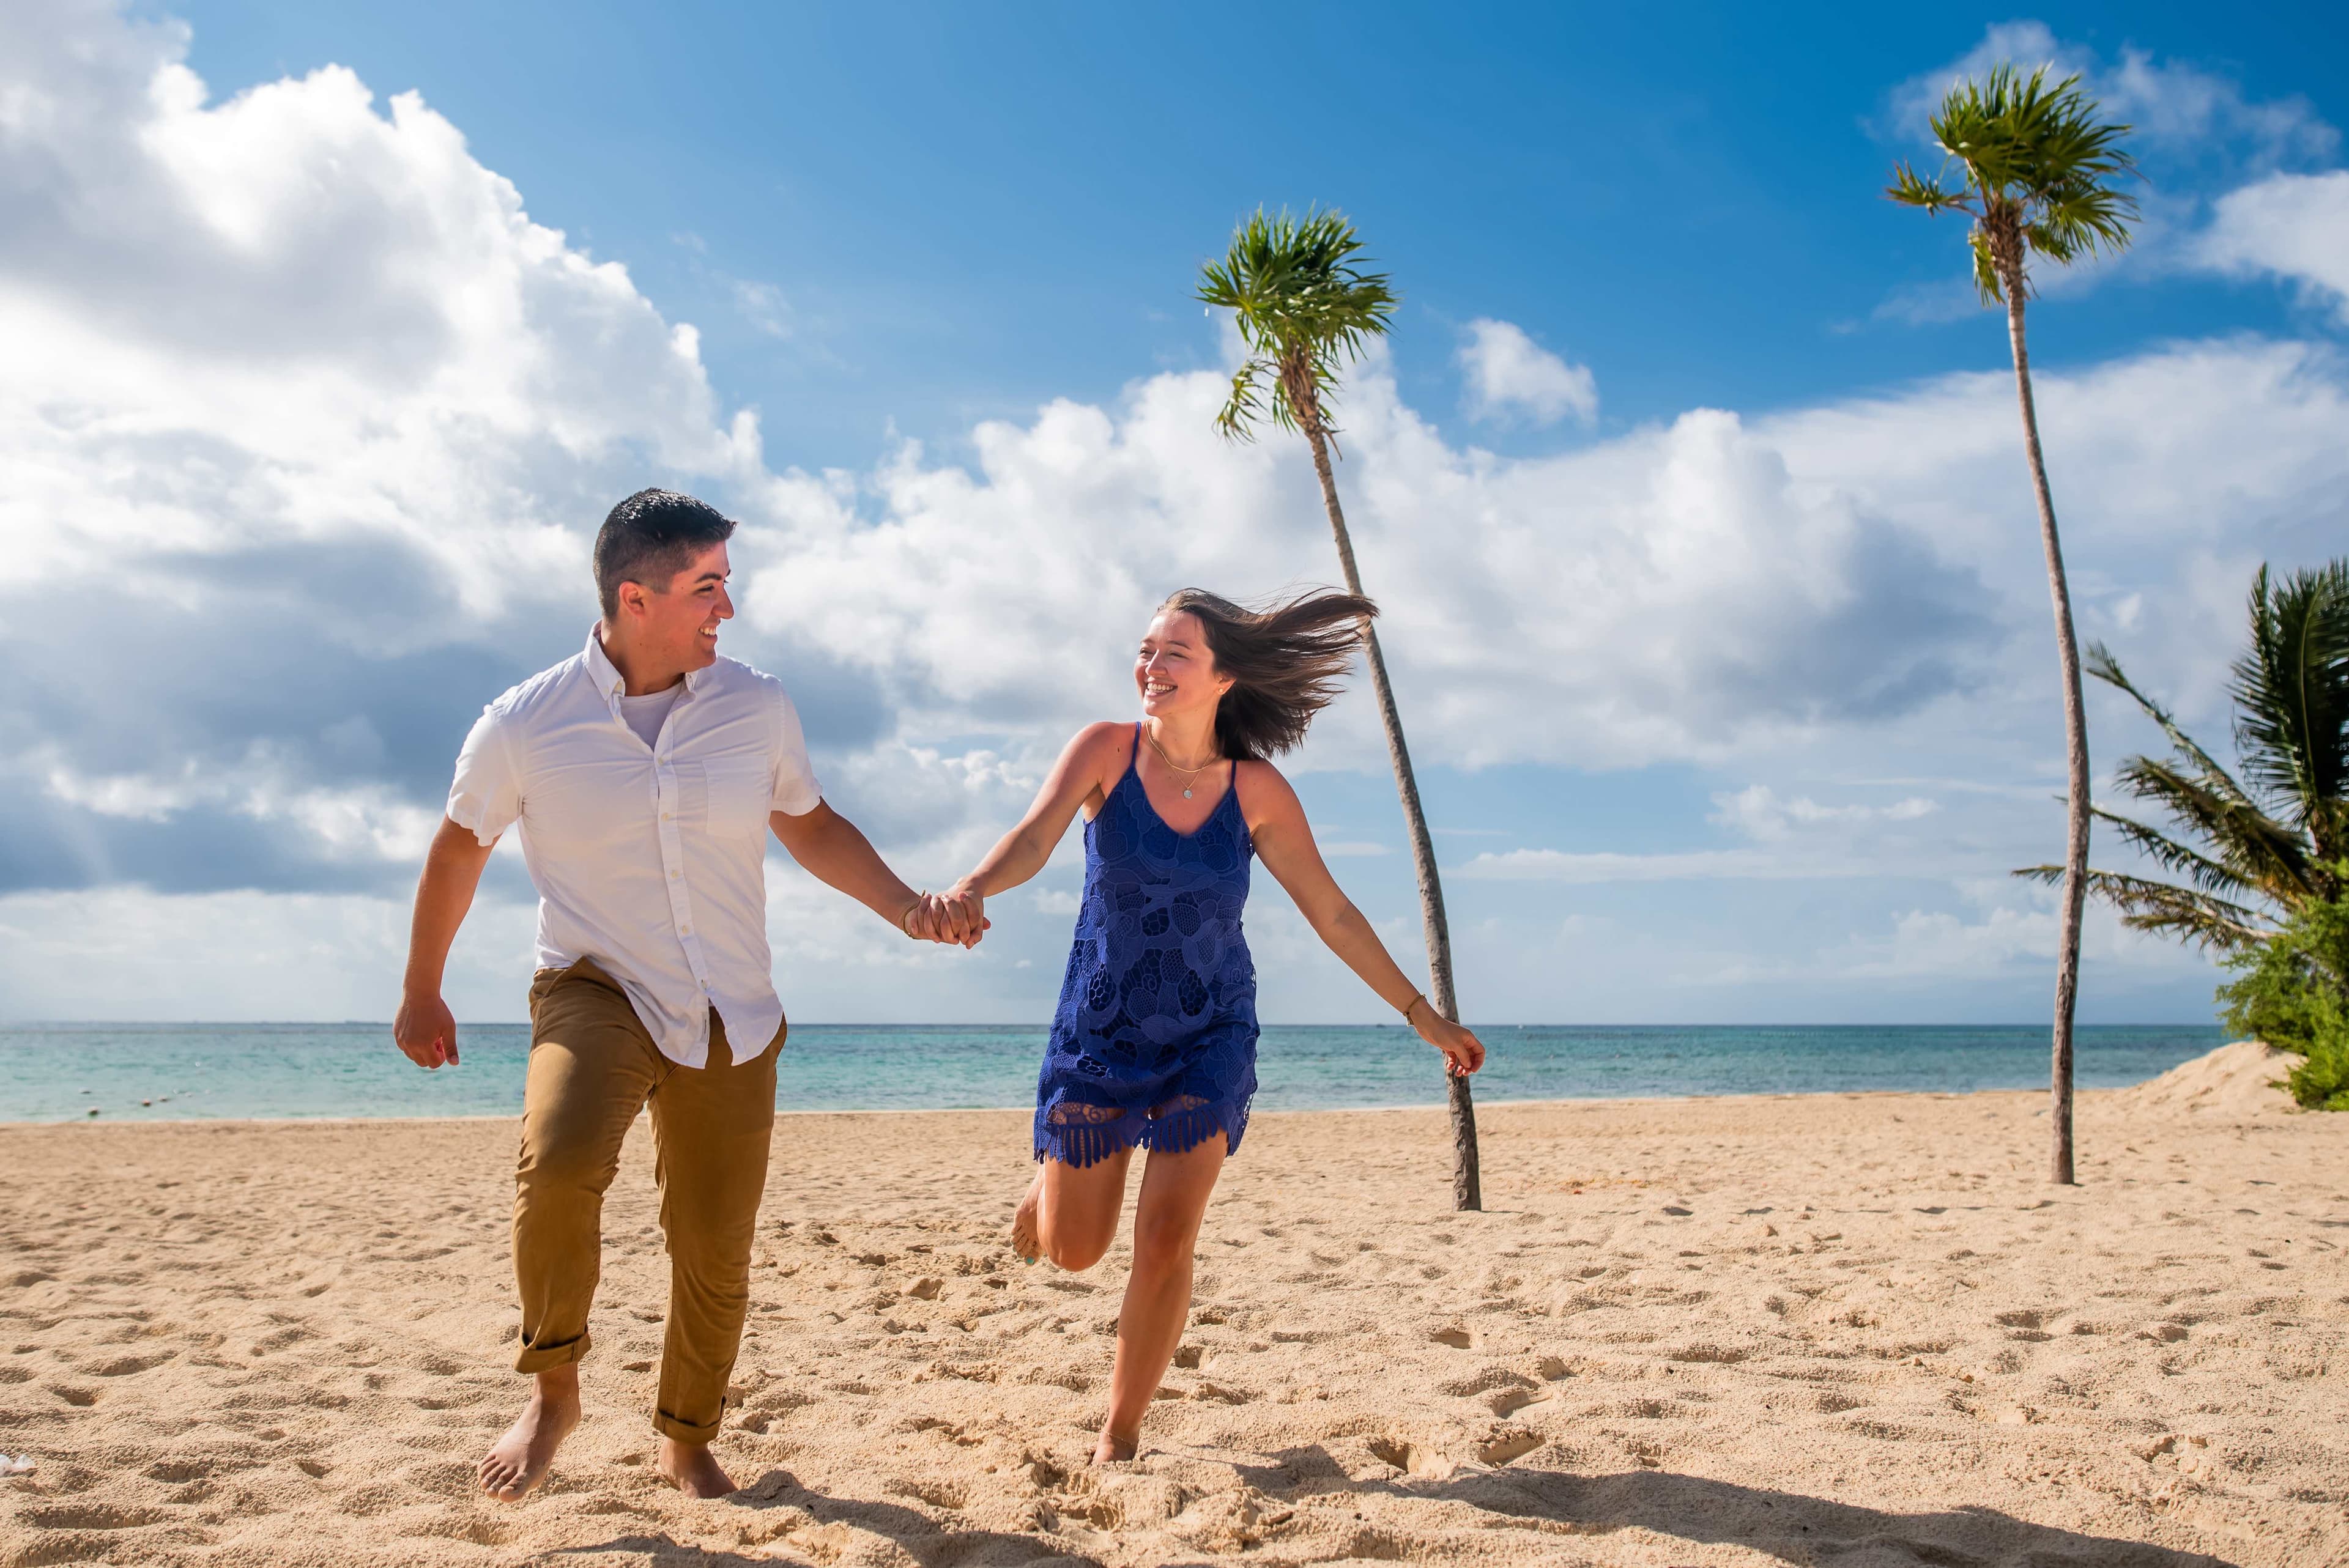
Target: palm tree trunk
(1467, 1182)
(2076, 755)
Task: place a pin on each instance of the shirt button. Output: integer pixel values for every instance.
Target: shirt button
(674, 875)
(664, 816)
(685, 930)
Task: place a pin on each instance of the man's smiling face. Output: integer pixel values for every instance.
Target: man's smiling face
(676, 626)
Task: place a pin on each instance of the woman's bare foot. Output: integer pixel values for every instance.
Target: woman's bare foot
(1025, 1239)
(1111, 1451)
(692, 1469)
(519, 1460)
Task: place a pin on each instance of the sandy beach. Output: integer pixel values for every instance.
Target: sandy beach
(1852, 1330)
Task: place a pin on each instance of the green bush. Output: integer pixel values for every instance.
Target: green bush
(2292, 992)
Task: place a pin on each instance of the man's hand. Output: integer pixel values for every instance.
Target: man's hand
(829, 848)
(423, 1028)
(426, 1031)
(934, 918)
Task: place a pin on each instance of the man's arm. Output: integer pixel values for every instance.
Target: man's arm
(829, 848)
(424, 1027)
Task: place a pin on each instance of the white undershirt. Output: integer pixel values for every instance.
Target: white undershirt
(646, 714)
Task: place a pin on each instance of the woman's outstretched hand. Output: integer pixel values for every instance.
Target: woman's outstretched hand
(963, 914)
(1464, 1053)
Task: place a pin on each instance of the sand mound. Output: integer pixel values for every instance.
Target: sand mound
(2231, 1082)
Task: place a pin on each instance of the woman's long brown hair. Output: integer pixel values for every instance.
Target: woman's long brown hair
(1284, 659)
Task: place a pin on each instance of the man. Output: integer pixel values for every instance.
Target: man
(643, 772)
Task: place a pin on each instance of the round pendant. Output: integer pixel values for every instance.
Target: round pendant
(1186, 794)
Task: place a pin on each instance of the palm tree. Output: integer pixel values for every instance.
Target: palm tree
(2272, 844)
(2033, 165)
(1305, 309)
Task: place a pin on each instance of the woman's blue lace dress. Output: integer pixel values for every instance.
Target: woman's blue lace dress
(1155, 1040)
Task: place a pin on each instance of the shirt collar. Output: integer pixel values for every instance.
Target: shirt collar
(607, 674)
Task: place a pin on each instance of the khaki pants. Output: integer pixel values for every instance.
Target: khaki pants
(592, 1067)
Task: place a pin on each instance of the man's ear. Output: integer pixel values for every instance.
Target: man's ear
(632, 598)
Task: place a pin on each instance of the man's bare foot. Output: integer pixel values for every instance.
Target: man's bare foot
(1112, 1451)
(518, 1461)
(692, 1469)
(1025, 1241)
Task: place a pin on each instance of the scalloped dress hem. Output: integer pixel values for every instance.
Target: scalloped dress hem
(1083, 1143)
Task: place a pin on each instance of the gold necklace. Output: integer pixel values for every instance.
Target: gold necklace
(1188, 774)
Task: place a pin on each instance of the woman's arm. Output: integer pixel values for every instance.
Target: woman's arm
(1284, 843)
(1080, 777)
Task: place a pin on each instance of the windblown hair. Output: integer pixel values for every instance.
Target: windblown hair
(651, 536)
(1284, 660)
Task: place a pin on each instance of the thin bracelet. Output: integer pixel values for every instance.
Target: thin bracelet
(1417, 997)
(902, 919)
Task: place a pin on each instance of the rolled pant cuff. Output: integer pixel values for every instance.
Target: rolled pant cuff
(544, 1358)
(669, 1425)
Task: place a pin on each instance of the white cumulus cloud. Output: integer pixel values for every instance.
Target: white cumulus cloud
(2292, 226)
(1761, 812)
(1504, 372)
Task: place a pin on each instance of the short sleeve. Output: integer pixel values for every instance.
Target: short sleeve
(486, 795)
(796, 790)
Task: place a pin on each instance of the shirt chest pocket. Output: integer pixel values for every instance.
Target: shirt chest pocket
(726, 797)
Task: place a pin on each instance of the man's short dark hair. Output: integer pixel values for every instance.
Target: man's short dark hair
(651, 536)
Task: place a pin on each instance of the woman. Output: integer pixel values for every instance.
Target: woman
(1155, 1042)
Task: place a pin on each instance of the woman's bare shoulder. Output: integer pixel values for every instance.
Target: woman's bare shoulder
(1099, 750)
(1101, 737)
(1264, 790)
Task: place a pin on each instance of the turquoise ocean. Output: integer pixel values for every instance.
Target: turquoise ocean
(63, 1072)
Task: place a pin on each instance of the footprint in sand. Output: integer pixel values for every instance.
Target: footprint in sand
(1509, 1444)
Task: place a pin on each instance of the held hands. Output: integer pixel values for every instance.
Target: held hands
(958, 918)
(1464, 1053)
(425, 1030)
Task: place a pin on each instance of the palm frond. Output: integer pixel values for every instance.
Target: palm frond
(1911, 188)
(2214, 924)
(1988, 285)
(2290, 690)
(2261, 849)
(1242, 409)
(2207, 874)
(2107, 669)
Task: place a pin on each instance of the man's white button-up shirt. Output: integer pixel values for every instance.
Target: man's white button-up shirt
(650, 859)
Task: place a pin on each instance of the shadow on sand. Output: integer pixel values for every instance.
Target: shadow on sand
(1787, 1525)
(778, 1490)
(1796, 1528)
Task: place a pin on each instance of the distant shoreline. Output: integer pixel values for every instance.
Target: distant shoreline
(1554, 1102)
(350, 1071)
(64, 1025)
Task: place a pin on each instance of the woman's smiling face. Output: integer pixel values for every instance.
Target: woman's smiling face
(1174, 669)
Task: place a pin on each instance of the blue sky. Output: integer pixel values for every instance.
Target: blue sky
(961, 217)
(1690, 474)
